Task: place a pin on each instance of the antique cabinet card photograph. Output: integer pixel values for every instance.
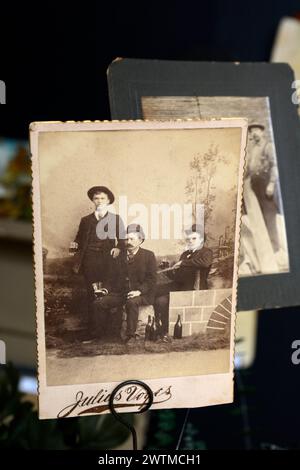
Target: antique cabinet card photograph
(136, 245)
(264, 247)
(268, 272)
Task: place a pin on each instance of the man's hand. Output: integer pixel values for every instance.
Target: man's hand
(177, 265)
(115, 252)
(270, 189)
(133, 293)
(103, 291)
(73, 247)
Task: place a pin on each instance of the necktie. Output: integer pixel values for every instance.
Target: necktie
(130, 257)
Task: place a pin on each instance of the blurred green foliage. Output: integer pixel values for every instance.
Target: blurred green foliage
(20, 427)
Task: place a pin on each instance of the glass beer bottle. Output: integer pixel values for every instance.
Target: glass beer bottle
(178, 329)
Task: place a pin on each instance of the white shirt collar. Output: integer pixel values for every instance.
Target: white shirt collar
(195, 249)
(98, 214)
(134, 252)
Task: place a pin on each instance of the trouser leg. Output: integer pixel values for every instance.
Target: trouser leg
(89, 299)
(161, 308)
(103, 316)
(269, 210)
(161, 305)
(95, 268)
(132, 311)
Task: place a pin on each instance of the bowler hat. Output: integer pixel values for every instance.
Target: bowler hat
(136, 228)
(259, 126)
(194, 228)
(101, 189)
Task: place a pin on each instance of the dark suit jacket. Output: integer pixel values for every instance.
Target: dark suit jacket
(137, 274)
(200, 260)
(83, 233)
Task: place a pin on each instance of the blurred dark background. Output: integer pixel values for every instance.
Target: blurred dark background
(54, 58)
(54, 55)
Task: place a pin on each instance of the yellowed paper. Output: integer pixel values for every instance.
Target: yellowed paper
(181, 181)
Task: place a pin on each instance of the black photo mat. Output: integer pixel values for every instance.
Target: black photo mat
(131, 79)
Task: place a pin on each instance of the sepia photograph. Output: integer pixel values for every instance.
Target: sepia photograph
(264, 248)
(136, 238)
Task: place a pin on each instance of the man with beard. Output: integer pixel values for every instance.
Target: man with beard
(263, 173)
(132, 284)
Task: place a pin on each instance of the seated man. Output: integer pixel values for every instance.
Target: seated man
(189, 273)
(132, 282)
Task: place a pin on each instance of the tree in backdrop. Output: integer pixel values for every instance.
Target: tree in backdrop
(200, 188)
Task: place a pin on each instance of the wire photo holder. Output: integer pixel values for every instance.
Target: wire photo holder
(146, 407)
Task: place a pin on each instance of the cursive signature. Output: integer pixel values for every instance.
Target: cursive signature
(131, 396)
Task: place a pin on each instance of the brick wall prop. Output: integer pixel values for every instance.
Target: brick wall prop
(200, 311)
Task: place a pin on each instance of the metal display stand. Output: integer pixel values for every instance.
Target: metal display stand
(146, 407)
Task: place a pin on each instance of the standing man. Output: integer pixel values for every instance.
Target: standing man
(189, 273)
(263, 173)
(99, 239)
(132, 283)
